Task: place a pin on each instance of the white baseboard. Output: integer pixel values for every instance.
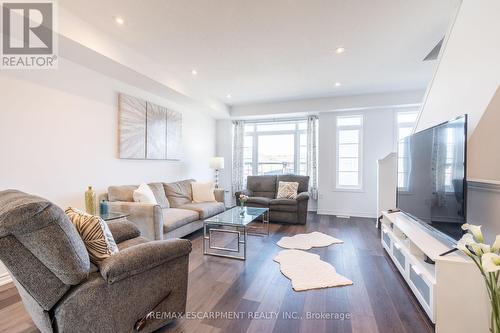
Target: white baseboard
(352, 214)
(4, 279)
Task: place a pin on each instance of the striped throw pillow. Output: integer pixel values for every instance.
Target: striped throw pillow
(287, 190)
(95, 234)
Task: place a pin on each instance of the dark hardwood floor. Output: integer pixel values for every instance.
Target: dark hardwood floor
(379, 300)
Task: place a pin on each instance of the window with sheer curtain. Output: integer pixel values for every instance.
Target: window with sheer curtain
(405, 121)
(275, 147)
(349, 151)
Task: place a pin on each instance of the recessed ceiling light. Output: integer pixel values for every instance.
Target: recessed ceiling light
(229, 96)
(119, 20)
(194, 72)
(340, 50)
(337, 84)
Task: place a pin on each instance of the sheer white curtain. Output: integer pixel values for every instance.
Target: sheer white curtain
(238, 145)
(312, 155)
(439, 166)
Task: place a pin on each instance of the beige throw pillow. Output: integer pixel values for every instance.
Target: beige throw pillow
(144, 194)
(287, 190)
(95, 234)
(203, 192)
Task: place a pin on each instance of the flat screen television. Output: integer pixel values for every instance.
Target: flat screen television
(432, 177)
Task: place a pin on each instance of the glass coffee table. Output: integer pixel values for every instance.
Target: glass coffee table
(235, 223)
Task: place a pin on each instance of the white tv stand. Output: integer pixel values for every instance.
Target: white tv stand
(451, 291)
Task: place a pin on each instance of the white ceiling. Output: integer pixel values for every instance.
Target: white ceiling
(266, 50)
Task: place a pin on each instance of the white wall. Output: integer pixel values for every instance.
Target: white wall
(468, 73)
(483, 148)
(59, 133)
(378, 141)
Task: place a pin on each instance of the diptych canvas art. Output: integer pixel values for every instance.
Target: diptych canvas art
(148, 131)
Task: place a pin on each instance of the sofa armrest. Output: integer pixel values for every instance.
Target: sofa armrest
(219, 194)
(123, 230)
(302, 203)
(302, 196)
(143, 257)
(147, 217)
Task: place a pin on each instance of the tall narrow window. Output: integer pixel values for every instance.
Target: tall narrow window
(405, 123)
(349, 145)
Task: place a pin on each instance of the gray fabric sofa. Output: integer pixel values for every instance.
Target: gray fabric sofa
(174, 216)
(64, 292)
(262, 191)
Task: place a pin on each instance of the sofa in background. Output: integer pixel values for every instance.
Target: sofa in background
(174, 216)
(64, 292)
(262, 191)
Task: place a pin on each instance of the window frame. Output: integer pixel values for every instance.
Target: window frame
(360, 127)
(396, 125)
(297, 132)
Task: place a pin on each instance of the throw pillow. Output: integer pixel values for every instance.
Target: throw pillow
(203, 192)
(144, 194)
(287, 190)
(95, 234)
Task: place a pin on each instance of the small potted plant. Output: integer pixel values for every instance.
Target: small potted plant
(487, 259)
(243, 200)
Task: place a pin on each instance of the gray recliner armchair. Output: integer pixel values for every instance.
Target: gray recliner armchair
(262, 191)
(64, 292)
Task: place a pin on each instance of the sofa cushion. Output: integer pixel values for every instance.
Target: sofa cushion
(159, 192)
(123, 230)
(132, 242)
(206, 209)
(259, 200)
(203, 191)
(262, 186)
(179, 193)
(286, 202)
(174, 218)
(122, 193)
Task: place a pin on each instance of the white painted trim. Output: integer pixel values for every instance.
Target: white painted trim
(351, 214)
(484, 181)
(4, 279)
(482, 185)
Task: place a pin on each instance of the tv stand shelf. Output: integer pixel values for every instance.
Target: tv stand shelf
(445, 289)
(421, 237)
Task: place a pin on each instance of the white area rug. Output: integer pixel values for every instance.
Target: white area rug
(308, 271)
(307, 241)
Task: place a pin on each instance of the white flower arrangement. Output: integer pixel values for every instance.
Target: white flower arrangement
(487, 259)
(243, 199)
